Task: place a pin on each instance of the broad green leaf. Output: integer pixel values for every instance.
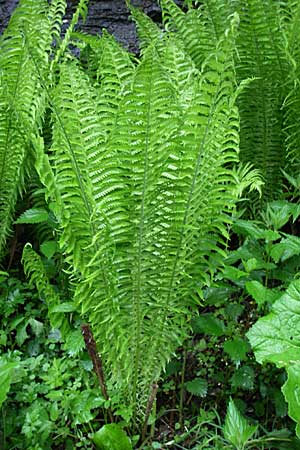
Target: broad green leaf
(49, 248)
(198, 387)
(209, 324)
(33, 215)
(276, 337)
(248, 228)
(111, 437)
(236, 348)
(291, 392)
(261, 294)
(6, 371)
(286, 248)
(237, 430)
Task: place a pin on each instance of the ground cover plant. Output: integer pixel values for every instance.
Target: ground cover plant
(161, 204)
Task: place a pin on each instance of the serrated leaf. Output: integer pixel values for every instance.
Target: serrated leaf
(285, 249)
(209, 324)
(291, 392)
(261, 294)
(243, 378)
(74, 343)
(276, 337)
(198, 387)
(6, 371)
(236, 348)
(49, 248)
(33, 215)
(237, 429)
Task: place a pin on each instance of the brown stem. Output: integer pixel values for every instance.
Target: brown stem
(151, 400)
(91, 347)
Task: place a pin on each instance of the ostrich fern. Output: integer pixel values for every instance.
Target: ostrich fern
(139, 177)
(22, 101)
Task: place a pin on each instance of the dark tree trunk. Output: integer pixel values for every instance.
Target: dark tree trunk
(111, 14)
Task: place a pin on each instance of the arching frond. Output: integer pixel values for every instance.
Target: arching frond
(21, 98)
(260, 54)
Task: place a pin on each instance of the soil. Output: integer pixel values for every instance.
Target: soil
(111, 14)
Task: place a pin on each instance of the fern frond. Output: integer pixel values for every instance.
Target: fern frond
(148, 31)
(199, 28)
(291, 106)
(21, 98)
(81, 11)
(261, 55)
(35, 271)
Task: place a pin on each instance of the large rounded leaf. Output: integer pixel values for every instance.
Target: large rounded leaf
(112, 437)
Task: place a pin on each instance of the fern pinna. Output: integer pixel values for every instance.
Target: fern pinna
(139, 176)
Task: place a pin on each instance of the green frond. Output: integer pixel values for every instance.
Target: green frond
(115, 71)
(261, 55)
(291, 106)
(81, 11)
(21, 99)
(56, 13)
(148, 31)
(35, 271)
(199, 28)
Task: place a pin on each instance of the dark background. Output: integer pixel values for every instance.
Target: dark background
(112, 15)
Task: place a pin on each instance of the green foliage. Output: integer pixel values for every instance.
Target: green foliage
(138, 173)
(236, 429)
(111, 437)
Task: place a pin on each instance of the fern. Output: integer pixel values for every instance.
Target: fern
(21, 100)
(138, 173)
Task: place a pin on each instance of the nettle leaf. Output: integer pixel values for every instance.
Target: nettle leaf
(74, 343)
(49, 248)
(236, 348)
(33, 215)
(261, 294)
(6, 371)
(276, 337)
(209, 324)
(198, 387)
(237, 429)
(291, 392)
(243, 378)
(285, 249)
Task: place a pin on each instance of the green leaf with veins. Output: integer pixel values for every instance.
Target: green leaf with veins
(276, 337)
(291, 392)
(237, 430)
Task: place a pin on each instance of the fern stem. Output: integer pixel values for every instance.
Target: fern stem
(139, 262)
(91, 347)
(150, 403)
